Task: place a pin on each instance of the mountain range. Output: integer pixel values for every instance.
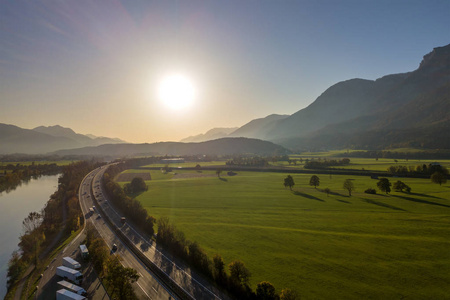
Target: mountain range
(43, 139)
(399, 110)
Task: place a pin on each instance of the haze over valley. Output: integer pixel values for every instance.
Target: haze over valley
(248, 150)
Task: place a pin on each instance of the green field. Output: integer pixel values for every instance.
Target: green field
(326, 247)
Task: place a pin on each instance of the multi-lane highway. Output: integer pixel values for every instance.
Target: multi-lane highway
(183, 282)
(147, 287)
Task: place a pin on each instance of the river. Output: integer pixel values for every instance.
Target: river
(14, 207)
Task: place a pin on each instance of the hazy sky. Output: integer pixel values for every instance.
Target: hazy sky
(95, 66)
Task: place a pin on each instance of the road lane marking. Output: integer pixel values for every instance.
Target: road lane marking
(144, 290)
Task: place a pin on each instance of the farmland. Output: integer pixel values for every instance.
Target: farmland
(323, 246)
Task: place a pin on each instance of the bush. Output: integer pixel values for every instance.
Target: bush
(370, 191)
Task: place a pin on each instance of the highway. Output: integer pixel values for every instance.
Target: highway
(147, 287)
(183, 281)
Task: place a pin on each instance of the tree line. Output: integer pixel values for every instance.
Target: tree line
(325, 163)
(12, 175)
(131, 208)
(426, 154)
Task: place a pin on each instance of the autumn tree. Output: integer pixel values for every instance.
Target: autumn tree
(314, 181)
(288, 294)
(349, 186)
(384, 185)
(289, 182)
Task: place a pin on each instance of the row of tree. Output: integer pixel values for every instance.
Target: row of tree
(131, 208)
(426, 154)
(322, 164)
(419, 169)
(13, 175)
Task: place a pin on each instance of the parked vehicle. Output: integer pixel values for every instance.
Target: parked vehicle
(84, 252)
(69, 274)
(72, 287)
(68, 295)
(123, 220)
(71, 263)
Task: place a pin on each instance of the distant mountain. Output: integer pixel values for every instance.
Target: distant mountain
(224, 146)
(59, 131)
(257, 128)
(213, 134)
(14, 139)
(85, 140)
(399, 110)
(39, 140)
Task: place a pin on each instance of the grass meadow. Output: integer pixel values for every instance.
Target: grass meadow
(325, 247)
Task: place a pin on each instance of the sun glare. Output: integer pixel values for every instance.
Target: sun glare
(176, 92)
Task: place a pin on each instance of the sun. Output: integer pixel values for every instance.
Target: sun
(176, 92)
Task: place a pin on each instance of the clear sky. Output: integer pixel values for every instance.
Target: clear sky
(95, 66)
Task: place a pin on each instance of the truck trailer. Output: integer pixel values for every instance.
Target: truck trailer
(68, 295)
(69, 274)
(72, 287)
(71, 263)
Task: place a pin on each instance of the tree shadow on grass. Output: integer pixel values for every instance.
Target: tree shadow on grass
(297, 193)
(383, 204)
(424, 195)
(344, 201)
(421, 201)
(223, 179)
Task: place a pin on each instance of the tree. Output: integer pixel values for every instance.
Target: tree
(314, 181)
(399, 186)
(219, 267)
(349, 186)
(266, 291)
(384, 185)
(288, 294)
(239, 272)
(32, 222)
(218, 172)
(439, 178)
(327, 190)
(289, 182)
(136, 185)
(121, 278)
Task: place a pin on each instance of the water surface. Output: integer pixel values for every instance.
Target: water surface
(14, 207)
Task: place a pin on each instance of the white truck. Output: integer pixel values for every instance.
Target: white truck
(68, 295)
(72, 287)
(71, 263)
(84, 252)
(69, 274)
